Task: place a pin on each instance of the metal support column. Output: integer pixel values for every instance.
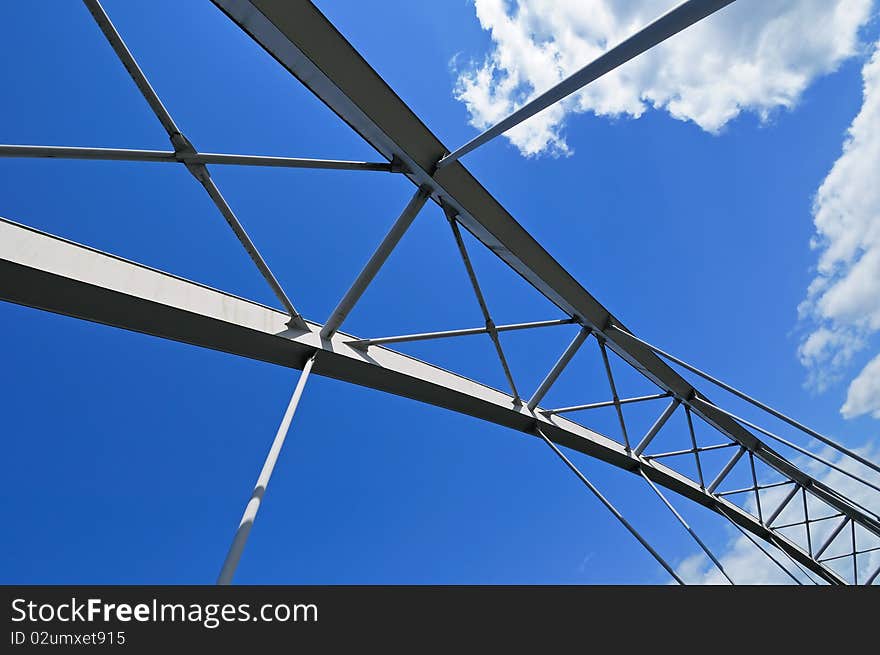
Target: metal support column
(831, 537)
(611, 508)
(769, 555)
(614, 397)
(782, 505)
(185, 149)
(250, 511)
(757, 403)
(395, 234)
(727, 469)
(685, 525)
(557, 369)
(491, 328)
(659, 423)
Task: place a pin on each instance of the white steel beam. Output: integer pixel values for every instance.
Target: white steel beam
(377, 259)
(46, 272)
(230, 564)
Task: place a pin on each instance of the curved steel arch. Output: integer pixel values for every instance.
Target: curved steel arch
(50, 273)
(57, 275)
(299, 37)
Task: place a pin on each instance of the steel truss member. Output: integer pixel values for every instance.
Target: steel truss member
(57, 275)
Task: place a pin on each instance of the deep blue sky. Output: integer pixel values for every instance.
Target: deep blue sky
(128, 459)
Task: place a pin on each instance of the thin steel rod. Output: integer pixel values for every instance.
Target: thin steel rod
(686, 526)
(783, 504)
(757, 403)
(296, 320)
(170, 156)
(451, 217)
(759, 487)
(807, 523)
(855, 554)
(726, 470)
(557, 369)
(101, 154)
(802, 451)
(122, 51)
(491, 329)
(764, 550)
(806, 573)
(755, 483)
(854, 504)
(395, 234)
(606, 403)
(797, 564)
(860, 552)
(836, 531)
(670, 23)
(574, 469)
(199, 171)
(250, 512)
(658, 424)
(816, 520)
(690, 424)
(615, 399)
(701, 449)
(292, 162)
(425, 336)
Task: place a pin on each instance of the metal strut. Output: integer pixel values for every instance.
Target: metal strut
(446, 334)
(684, 524)
(369, 271)
(557, 369)
(52, 274)
(757, 403)
(794, 446)
(766, 552)
(173, 157)
(609, 506)
(242, 331)
(672, 22)
(184, 148)
(250, 510)
(491, 328)
(657, 426)
(615, 399)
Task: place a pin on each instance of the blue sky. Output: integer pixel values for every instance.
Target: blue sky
(129, 459)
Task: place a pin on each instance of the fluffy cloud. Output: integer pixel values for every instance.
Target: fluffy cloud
(843, 301)
(863, 396)
(752, 56)
(748, 565)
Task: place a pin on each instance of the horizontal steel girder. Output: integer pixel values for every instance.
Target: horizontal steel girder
(50, 273)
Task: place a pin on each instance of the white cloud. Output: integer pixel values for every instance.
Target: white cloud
(843, 300)
(748, 565)
(863, 396)
(826, 352)
(754, 55)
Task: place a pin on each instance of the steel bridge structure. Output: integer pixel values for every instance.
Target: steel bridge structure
(47, 272)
